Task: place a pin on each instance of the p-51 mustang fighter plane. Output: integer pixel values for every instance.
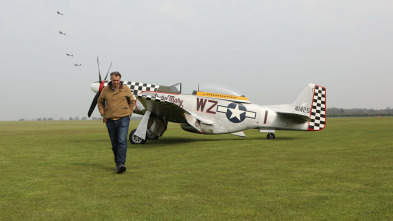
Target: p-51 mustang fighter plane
(217, 110)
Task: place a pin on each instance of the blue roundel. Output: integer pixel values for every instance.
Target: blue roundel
(236, 112)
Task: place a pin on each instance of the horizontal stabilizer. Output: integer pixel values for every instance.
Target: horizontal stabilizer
(296, 116)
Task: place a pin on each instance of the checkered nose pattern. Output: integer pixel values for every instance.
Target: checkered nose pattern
(318, 111)
(137, 87)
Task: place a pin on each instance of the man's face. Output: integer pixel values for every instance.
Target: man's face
(115, 81)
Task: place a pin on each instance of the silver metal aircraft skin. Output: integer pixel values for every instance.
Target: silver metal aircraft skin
(215, 110)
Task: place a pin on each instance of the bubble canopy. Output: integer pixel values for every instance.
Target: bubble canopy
(218, 89)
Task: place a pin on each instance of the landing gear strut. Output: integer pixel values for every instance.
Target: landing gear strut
(271, 136)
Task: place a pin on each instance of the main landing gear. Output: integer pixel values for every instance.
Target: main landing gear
(134, 139)
(270, 136)
(155, 128)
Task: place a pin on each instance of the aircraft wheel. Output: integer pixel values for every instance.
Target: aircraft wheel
(271, 136)
(134, 139)
(150, 136)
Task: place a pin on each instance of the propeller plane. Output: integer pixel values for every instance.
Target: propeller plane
(213, 109)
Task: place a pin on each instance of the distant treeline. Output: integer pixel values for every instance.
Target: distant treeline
(61, 118)
(358, 112)
(70, 118)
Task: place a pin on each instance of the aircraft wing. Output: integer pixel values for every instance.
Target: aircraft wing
(170, 110)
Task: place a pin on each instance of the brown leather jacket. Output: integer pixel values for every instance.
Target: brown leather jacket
(116, 104)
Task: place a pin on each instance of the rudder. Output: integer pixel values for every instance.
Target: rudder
(318, 109)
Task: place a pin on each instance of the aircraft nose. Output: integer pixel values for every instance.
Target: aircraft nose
(95, 87)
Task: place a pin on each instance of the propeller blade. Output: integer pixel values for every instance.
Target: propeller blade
(99, 73)
(108, 72)
(93, 104)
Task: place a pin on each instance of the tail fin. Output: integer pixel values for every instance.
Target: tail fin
(313, 101)
(310, 106)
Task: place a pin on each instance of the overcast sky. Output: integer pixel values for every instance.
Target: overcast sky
(269, 50)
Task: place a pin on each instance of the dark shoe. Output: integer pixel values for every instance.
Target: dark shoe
(121, 169)
(116, 168)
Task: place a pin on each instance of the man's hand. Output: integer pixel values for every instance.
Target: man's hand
(104, 120)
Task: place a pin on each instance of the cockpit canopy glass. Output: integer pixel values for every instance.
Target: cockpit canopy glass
(218, 89)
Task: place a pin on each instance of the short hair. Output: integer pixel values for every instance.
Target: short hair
(115, 73)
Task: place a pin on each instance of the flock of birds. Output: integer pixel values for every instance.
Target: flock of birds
(62, 33)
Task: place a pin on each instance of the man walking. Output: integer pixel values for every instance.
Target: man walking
(116, 104)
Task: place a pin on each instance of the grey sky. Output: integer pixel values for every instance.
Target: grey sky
(269, 50)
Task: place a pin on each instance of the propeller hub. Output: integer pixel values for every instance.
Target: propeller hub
(102, 85)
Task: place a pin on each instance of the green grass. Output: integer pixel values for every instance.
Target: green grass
(62, 170)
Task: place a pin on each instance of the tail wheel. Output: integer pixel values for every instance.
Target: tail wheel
(134, 139)
(271, 136)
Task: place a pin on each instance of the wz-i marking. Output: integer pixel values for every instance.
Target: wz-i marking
(201, 103)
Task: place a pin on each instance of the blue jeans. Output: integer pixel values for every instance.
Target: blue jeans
(118, 131)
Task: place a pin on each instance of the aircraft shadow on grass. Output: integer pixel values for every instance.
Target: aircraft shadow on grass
(182, 140)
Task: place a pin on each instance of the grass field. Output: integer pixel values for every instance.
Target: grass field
(62, 170)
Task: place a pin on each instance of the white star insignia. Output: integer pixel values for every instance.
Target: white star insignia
(236, 112)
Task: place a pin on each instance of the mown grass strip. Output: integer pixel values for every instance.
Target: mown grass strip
(63, 170)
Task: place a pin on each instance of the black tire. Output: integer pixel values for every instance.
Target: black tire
(271, 136)
(149, 136)
(134, 139)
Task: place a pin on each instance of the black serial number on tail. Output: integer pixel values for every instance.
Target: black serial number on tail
(302, 109)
